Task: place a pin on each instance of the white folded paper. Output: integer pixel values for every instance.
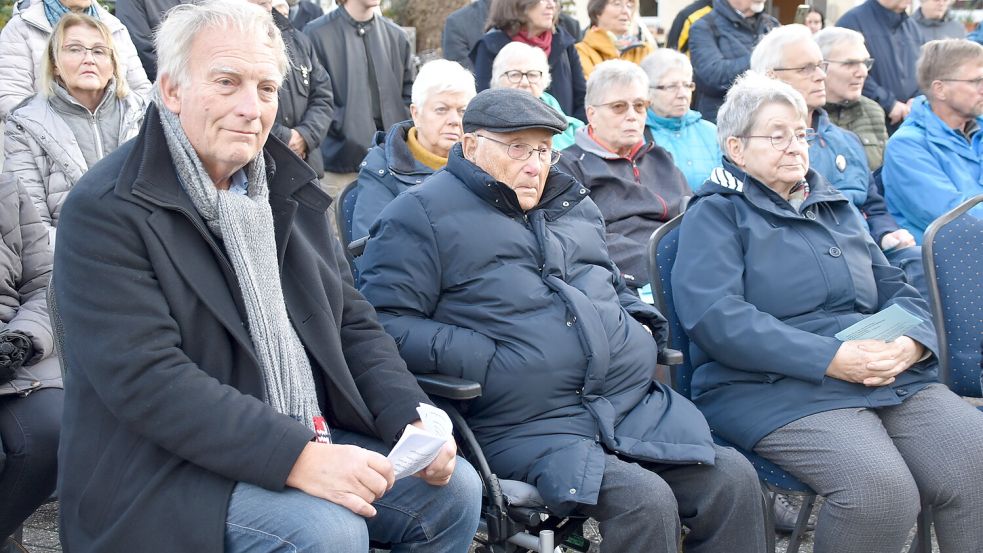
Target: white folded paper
(417, 448)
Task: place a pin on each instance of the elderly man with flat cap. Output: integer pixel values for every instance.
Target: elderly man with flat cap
(496, 270)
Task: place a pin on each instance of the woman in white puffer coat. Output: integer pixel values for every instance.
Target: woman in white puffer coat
(24, 38)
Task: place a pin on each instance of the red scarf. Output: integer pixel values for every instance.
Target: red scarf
(544, 41)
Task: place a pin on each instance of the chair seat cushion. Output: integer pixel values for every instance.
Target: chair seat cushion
(520, 494)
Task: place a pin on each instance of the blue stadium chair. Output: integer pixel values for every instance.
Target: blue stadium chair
(662, 249)
(952, 252)
(344, 211)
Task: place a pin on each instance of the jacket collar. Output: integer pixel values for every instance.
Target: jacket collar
(939, 133)
(583, 139)
(728, 12)
(672, 123)
(496, 39)
(562, 192)
(398, 156)
(886, 16)
(728, 179)
(34, 16)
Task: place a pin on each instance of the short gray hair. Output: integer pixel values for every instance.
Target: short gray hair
(751, 92)
(662, 60)
(831, 37)
(768, 54)
(941, 59)
(517, 50)
(611, 74)
(439, 76)
(183, 24)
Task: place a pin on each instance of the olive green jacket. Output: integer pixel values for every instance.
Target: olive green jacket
(865, 118)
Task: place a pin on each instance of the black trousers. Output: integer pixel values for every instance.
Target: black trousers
(641, 506)
(29, 428)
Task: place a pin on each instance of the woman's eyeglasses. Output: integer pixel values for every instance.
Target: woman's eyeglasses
(674, 88)
(77, 51)
(782, 142)
(621, 106)
(515, 77)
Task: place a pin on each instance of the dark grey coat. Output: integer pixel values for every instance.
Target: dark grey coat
(141, 18)
(163, 408)
(342, 52)
(530, 305)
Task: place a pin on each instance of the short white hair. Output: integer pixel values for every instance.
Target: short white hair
(768, 54)
(439, 76)
(662, 60)
(518, 51)
(613, 74)
(183, 23)
(751, 92)
(831, 37)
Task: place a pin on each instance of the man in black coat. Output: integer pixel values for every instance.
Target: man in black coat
(227, 387)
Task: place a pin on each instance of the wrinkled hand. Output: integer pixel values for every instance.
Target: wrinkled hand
(899, 112)
(343, 474)
(897, 240)
(873, 362)
(297, 144)
(439, 472)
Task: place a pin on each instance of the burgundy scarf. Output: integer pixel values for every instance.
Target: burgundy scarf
(544, 41)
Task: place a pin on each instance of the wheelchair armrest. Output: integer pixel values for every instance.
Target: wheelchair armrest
(670, 357)
(357, 246)
(449, 387)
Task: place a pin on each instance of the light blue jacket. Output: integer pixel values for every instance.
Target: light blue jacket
(839, 156)
(691, 140)
(930, 168)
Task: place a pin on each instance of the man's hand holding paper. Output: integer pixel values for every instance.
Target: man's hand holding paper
(426, 448)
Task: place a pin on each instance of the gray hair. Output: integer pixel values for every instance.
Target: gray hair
(183, 24)
(613, 74)
(768, 54)
(831, 37)
(941, 59)
(517, 50)
(751, 92)
(439, 76)
(662, 60)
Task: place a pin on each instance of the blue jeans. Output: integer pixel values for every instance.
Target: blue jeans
(412, 517)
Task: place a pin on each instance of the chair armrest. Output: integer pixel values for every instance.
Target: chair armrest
(358, 246)
(449, 387)
(670, 357)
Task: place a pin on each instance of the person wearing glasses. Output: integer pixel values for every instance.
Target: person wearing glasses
(24, 38)
(533, 22)
(496, 270)
(683, 132)
(525, 67)
(635, 183)
(772, 263)
(613, 34)
(935, 160)
(85, 110)
(847, 107)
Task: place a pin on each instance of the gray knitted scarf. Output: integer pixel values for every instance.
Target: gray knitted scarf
(245, 224)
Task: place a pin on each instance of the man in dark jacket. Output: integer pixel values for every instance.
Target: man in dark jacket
(893, 39)
(302, 12)
(496, 269)
(371, 66)
(141, 18)
(227, 387)
(720, 45)
(634, 183)
(678, 37)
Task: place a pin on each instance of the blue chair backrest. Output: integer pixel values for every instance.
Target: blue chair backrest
(952, 251)
(662, 248)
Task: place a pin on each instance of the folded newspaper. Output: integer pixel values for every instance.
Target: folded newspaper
(417, 448)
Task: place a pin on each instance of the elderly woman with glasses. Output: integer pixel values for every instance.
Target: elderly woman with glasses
(773, 274)
(85, 110)
(533, 22)
(634, 182)
(613, 34)
(413, 150)
(524, 67)
(683, 132)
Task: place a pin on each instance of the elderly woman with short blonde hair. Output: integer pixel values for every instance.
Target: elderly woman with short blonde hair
(773, 273)
(84, 111)
(524, 67)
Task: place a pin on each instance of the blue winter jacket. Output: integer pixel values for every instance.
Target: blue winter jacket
(568, 85)
(692, 142)
(761, 289)
(530, 305)
(720, 45)
(930, 168)
(388, 169)
(894, 40)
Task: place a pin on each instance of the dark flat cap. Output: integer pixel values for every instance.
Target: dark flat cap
(510, 110)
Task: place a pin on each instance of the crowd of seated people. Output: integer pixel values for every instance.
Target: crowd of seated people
(231, 379)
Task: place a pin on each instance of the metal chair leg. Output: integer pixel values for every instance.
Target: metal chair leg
(923, 535)
(769, 506)
(801, 523)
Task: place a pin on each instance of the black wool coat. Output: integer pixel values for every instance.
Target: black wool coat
(163, 402)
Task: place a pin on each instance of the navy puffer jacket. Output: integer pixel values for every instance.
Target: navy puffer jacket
(530, 305)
